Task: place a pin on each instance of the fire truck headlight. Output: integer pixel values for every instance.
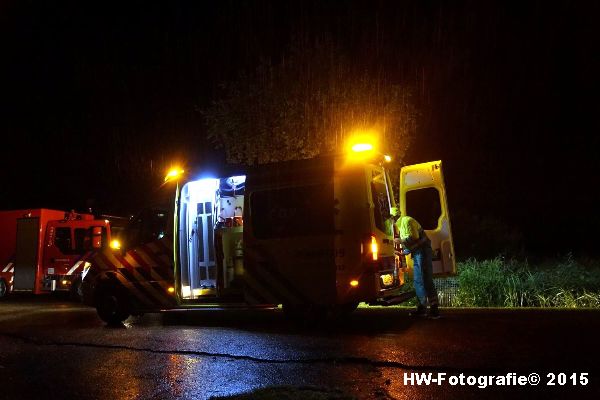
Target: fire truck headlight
(354, 283)
(115, 244)
(65, 282)
(171, 289)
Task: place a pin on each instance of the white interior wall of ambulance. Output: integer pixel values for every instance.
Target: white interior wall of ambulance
(210, 229)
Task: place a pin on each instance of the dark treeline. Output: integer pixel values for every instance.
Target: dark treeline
(98, 100)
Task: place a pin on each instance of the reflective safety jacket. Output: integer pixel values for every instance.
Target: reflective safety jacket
(410, 231)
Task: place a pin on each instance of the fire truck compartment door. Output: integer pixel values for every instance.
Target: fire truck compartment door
(26, 253)
(423, 197)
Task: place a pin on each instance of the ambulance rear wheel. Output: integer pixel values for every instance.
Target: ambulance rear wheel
(3, 288)
(308, 315)
(112, 306)
(343, 310)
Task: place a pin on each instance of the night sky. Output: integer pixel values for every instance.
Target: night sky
(97, 99)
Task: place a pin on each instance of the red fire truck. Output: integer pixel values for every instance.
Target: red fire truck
(310, 235)
(43, 250)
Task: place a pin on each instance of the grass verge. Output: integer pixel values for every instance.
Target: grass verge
(510, 283)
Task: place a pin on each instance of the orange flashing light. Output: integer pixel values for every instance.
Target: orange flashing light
(360, 147)
(374, 248)
(173, 173)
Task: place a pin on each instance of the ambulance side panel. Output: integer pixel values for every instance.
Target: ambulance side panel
(143, 269)
(144, 272)
(353, 219)
(289, 238)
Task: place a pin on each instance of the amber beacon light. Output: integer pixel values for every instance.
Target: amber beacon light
(173, 173)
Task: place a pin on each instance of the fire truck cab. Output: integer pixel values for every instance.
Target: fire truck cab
(44, 250)
(308, 235)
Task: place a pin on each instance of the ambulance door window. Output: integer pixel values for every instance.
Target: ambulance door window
(154, 226)
(424, 205)
(62, 240)
(381, 205)
(148, 226)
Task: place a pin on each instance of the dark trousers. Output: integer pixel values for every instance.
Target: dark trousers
(423, 275)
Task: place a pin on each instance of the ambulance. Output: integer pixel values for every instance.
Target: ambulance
(310, 236)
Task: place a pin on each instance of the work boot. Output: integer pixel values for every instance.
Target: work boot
(434, 312)
(419, 312)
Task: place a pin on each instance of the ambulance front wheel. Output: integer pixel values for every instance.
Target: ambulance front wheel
(112, 306)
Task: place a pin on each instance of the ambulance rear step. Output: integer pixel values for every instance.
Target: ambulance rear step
(390, 301)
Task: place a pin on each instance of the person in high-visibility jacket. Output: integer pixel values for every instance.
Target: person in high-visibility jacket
(416, 243)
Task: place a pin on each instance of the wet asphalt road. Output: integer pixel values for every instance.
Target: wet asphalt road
(51, 348)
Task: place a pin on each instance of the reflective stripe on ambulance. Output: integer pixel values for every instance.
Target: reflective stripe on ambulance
(266, 285)
(146, 271)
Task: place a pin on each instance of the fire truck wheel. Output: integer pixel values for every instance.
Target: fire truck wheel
(3, 289)
(112, 306)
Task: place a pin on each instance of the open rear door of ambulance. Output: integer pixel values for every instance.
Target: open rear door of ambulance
(423, 197)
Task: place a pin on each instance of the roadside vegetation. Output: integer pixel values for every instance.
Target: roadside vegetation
(503, 282)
